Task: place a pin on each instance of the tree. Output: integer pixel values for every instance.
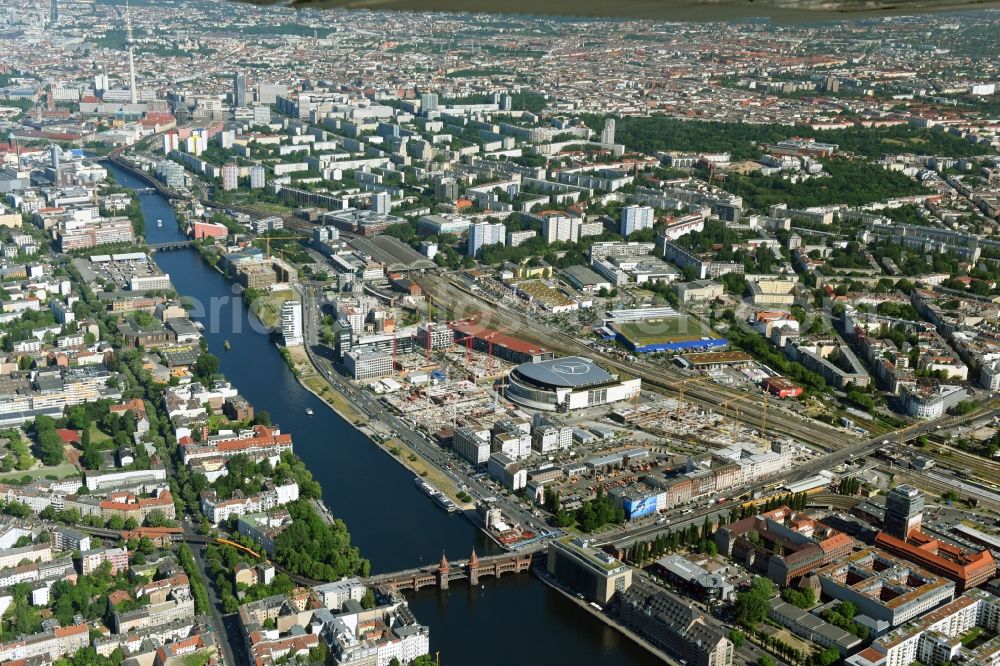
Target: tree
(752, 606)
(829, 656)
(737, 638)
(765, 660)
(50, 445)
(206, 367)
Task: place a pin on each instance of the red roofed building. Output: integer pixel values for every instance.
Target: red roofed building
(967, 568)
(127, 505)
(259, 442)
(209, 230)
(49, 645)
(781, 387)
(789, 546)
(513, 350)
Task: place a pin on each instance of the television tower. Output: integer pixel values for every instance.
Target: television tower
(130, 45)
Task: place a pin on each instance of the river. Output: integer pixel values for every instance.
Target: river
(394, 524)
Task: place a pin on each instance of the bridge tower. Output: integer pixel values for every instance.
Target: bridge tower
(443, 573)
(473, 569)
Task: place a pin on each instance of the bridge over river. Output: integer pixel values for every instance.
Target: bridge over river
(440, 574)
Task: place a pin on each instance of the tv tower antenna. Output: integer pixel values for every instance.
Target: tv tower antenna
(130, 45)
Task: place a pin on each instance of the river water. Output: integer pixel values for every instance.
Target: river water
(514, 619)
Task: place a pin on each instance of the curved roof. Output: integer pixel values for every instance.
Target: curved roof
(393, 253)
(568, 372)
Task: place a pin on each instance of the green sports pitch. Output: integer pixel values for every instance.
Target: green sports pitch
(663, 330)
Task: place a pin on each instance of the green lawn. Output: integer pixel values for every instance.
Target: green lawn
(97, 435)
(59, 471)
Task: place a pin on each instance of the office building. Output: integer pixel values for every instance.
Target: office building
(240, 90)
(364, 364)
(54, 12)
(904, 507)
(230, 177)
(105, 232)
(636, 218)
(673, 625)
(291, 323)
(472, 444)
(883, 588)
(441, 336)
(588, 570)
(485, 233)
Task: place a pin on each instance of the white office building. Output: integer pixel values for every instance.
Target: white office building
(291, 323)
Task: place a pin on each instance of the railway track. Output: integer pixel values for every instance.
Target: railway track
(465, 303)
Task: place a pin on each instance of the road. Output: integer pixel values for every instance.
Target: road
(443, 459)
(744, 406)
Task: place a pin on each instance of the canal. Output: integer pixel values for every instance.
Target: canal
(394, 524)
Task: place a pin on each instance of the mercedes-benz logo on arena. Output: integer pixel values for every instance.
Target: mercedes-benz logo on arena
(571, 368)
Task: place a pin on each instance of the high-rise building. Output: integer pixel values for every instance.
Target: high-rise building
(171, 141)
(230, 177)
(831, 84)
(268, 93)
(133, 92)
(484, 233)
(428, 102)
(446, 189)
(54, 13)
(257, 177)
(382, 203)
(240, 90)
(608, 134)
(54, 156)
(557, 227)
(636, 218)
(506, 102)
(904, 508)
(291, 323)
